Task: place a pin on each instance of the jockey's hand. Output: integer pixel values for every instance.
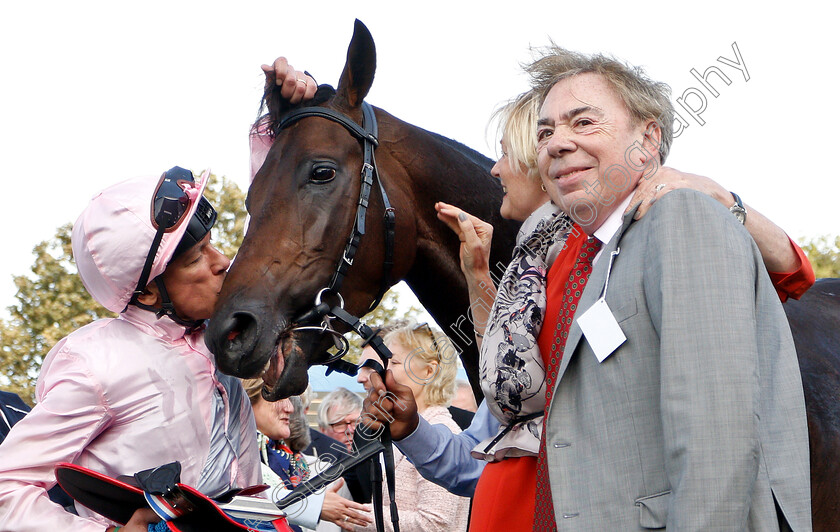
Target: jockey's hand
(475, 235)
(666, 179)
(140, 521)
(389, 402)
(345, 513)
(295, 86)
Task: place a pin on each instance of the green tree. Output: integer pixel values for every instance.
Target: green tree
(229, 201)
(52, 302)
(824, 254)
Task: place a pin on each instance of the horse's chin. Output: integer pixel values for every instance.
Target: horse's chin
(286, 372)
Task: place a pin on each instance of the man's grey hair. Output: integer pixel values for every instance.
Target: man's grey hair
(644, 98)
(337, 405)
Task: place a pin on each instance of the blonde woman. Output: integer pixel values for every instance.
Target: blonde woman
(424, 361)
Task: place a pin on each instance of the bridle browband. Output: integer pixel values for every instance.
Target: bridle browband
(368, 137)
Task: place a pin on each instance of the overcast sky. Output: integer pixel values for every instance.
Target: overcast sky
(95, 92)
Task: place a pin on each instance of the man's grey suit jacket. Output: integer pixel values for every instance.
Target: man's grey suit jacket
(698, 420)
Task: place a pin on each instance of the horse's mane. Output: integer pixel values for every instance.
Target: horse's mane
(475, 156)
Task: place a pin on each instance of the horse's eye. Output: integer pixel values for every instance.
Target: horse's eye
(322, 174)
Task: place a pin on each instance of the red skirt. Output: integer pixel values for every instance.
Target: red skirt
(505, 496)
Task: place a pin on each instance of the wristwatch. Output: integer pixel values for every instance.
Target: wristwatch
(738, 209)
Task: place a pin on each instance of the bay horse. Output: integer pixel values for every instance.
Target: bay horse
(299, 224)
(302, 204)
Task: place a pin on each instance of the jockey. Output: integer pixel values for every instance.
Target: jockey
(132, 392)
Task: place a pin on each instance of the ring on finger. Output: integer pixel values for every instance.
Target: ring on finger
(301, 80)
(659, 187)
(346, 517)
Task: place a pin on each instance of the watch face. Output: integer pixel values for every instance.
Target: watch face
(739, 212)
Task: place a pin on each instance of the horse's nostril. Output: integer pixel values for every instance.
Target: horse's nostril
(241, 334)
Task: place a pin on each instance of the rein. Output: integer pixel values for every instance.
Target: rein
(368, 137)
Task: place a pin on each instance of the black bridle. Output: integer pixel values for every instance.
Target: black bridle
(368, 137)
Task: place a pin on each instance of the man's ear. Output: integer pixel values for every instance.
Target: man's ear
(652, 138)
(150, 296)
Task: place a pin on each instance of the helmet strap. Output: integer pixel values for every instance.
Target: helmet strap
(168, 309)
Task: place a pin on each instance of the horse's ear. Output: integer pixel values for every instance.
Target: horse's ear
(357, 76)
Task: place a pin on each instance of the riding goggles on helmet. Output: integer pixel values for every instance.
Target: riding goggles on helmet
(170, 204)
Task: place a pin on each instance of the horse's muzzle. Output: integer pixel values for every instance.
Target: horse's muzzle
(233, 339)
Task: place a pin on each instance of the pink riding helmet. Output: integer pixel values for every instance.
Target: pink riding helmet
(114, 234)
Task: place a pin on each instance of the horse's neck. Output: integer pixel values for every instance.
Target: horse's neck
(442, 170)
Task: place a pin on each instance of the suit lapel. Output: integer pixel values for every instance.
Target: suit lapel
(594, 287)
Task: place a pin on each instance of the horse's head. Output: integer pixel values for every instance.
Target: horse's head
(302, 204)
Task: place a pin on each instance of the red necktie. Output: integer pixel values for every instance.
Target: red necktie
(544, 514)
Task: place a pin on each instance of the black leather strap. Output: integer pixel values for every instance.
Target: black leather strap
(368, 137)
(330, 114)
(372, 339)
(367, 134)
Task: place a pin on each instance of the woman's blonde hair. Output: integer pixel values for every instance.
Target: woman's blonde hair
(426, 345)
(253, 387)
(517, 124)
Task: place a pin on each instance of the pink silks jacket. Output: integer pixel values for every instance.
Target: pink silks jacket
(122, 395)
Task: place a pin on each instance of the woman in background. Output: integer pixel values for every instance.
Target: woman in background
(421, 363)
(284, 467)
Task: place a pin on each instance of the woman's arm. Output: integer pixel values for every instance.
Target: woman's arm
(789, 269)
(475, 236)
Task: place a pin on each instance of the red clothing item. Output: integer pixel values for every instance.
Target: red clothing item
(505, 496)
(794, 284)
(560, 270)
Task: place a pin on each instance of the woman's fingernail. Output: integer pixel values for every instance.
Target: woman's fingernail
(462, 217)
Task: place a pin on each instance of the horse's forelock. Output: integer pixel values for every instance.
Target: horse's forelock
(271, 115)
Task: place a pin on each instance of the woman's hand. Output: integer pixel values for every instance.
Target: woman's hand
(295, 86)
(343, 512)
(475, 236)
(777, 250)
(666, 179)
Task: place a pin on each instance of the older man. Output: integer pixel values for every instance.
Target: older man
(338, 414)
(674, 395)
(675, 398)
